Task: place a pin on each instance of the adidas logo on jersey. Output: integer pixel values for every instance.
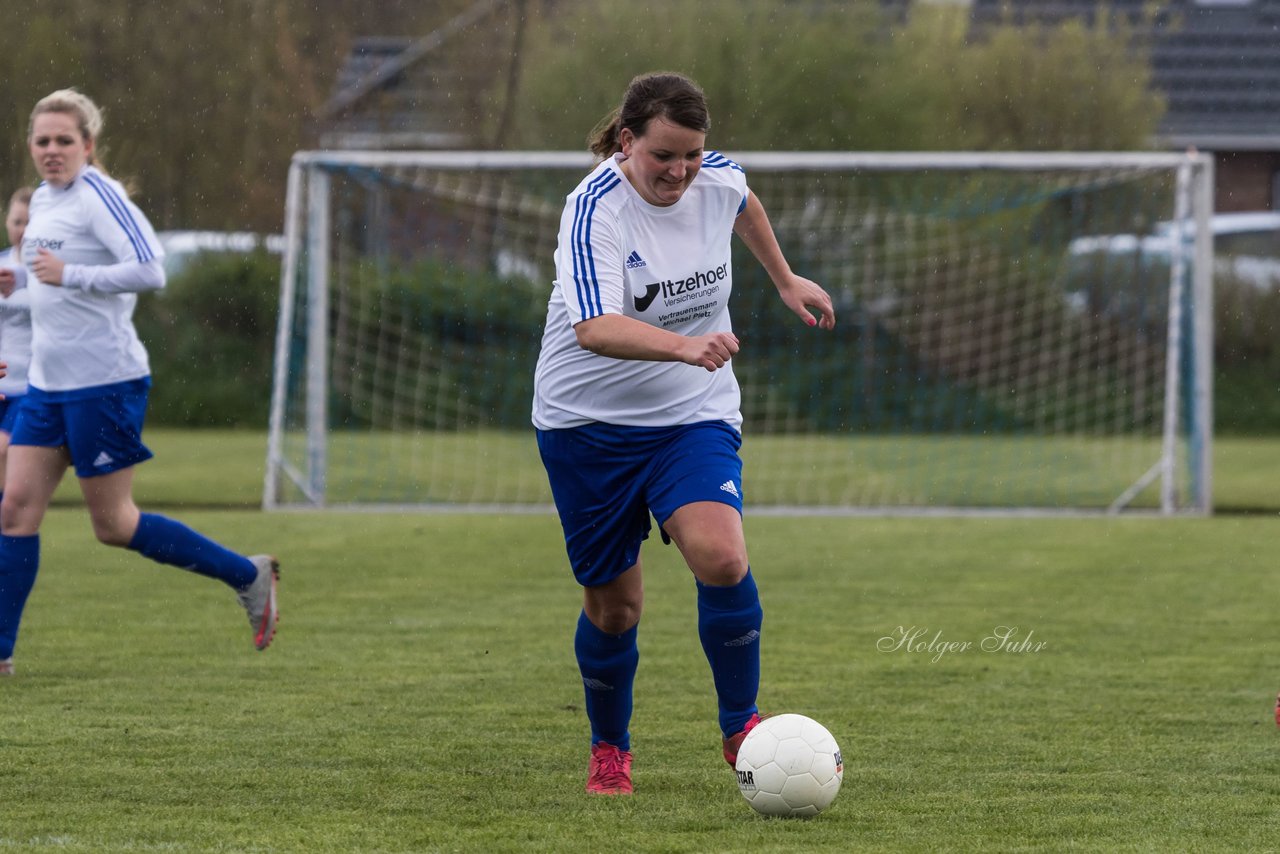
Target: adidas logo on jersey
(728, 487)
(103, 459)
(634, 260)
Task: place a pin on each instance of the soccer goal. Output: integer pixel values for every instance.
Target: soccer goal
(1016, 332)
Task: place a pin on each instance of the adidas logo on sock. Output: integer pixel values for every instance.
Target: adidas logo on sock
(728, 487)
(104, 459)
(596, 684)
(634, 260)
(746, 640)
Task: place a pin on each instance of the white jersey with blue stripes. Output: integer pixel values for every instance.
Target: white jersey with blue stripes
(667, 266)
(81, 337)
(15, 332)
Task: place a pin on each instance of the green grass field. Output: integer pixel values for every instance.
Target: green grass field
(422, 693)
(502, 468)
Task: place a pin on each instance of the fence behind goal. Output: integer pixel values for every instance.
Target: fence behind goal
(1014, 332)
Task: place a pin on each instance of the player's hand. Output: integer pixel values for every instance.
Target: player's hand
(800, 295)
(8, 281)
(48, 267)
(710, 351)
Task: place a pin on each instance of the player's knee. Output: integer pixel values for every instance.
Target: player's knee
(721, 567)
(615, 616)
(20, 517)
(617, 622)
(112, 533)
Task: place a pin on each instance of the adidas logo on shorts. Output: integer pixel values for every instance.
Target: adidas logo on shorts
(103, 459)
(728, 487)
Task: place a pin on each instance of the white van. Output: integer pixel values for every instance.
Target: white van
(181, 247)
(1127, 275)
(1246, 247)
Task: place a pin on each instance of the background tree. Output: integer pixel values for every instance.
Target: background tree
(830, 76)
(204, 103)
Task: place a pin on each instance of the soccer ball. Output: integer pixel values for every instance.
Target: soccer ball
(789, 765)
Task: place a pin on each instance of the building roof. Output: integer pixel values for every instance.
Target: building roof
(420, 93)
(1216, 61)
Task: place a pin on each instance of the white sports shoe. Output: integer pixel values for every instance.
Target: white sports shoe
(259, 600)
(6, 666)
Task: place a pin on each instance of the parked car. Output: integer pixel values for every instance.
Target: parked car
(1126, 275)
(182, 247)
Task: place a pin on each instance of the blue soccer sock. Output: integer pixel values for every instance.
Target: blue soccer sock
(165, 540)
(19, 562)
(608, 666)
(729, 620)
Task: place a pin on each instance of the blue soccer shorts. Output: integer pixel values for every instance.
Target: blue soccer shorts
(101, 428)
(606, 480)
(10, 406)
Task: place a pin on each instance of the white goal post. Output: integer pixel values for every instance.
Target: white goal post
(1016, 332)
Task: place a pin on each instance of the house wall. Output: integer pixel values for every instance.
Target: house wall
(1246, 181)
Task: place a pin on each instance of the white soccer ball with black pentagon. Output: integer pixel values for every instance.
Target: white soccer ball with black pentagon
(789, 765)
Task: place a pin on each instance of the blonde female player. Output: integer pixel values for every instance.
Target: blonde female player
(636, 404)
(15, 354)
(15, 321)
(89, 251)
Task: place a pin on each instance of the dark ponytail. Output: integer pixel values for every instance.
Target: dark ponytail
(661, 94)
(603, 139)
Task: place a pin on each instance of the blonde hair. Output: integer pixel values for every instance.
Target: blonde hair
(74, 103)
(21, 196)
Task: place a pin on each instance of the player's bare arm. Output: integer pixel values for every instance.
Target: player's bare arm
(798, 293)
(621, 337)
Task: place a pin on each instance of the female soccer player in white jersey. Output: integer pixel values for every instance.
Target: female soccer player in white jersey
(15, 321)
(636, 405)
(15, 347)
(89, 251)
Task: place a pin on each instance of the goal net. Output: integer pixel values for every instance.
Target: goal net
(1015, 332)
